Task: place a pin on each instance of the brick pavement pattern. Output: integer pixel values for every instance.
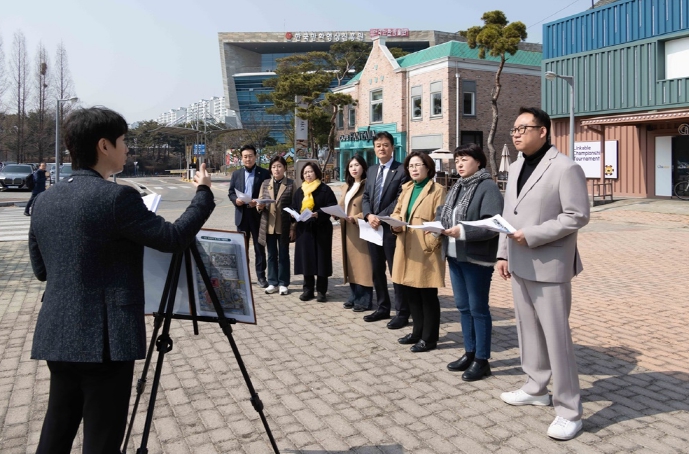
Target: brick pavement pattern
(332, 383)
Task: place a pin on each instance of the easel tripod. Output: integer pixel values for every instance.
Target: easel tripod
(163, 343)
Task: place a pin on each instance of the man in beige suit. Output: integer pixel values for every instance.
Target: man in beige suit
(546, 200)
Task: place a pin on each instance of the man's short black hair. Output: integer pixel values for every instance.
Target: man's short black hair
(248, 147)
(84, 127)
(384, 135)
(473, 151)
(540, 116)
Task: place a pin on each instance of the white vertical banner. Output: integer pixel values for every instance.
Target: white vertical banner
(301, 132)
(587, 155)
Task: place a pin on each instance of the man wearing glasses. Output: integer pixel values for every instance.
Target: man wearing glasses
(546, 200)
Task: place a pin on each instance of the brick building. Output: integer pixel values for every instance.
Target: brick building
(436, 98)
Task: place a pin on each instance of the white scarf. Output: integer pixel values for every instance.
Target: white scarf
(350, 195)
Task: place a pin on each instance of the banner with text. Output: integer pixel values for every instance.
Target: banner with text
(587, 155)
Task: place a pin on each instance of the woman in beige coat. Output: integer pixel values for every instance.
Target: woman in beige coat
(356, 263)
(418, 265)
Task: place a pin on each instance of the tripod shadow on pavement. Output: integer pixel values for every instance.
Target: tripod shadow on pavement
(388, 449)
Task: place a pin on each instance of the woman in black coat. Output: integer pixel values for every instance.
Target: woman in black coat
(313, 249)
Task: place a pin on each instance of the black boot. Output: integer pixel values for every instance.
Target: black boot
(462, 363)
(478, 369)
(307, 295)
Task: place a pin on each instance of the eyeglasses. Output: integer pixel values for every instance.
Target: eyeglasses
(415, 166)
(522, 129)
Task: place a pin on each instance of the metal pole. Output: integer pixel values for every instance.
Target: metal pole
(57, 142)
(571, 117)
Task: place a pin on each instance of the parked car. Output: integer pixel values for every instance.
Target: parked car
(13, 176)
(65, 172)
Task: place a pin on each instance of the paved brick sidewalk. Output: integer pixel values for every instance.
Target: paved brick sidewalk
(332, 383)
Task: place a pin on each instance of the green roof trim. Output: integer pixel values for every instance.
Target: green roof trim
(459, 49)
(462, 50)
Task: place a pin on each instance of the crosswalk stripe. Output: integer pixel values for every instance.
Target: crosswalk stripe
(14, 226)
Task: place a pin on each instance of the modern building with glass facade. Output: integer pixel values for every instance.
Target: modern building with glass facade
(630, 63)
(249, 58)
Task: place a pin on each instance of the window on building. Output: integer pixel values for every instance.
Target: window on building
(340, 119)
(416, 107)
(436, 99)
(469, 98)
(472, 137)
(676, 58)
(352, 117)
(377, 106)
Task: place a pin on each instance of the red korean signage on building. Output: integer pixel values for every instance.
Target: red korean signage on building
(396, 32)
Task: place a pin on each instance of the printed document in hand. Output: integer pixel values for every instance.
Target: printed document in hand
(151, 201)
(304, 216)
(433, 227)
(243, 197)
(496, 224)
(368, 233)
(392, 222)
(335, 210)
(265, 201)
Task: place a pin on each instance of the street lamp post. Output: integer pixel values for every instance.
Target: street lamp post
(57, 135)
(551, 76)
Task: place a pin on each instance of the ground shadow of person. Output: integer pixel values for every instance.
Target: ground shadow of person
(627, 391)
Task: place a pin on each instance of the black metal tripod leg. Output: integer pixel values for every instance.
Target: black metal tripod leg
(226, 327)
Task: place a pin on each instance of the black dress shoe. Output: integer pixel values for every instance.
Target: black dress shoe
(408, 339)
(398, 322)
(377, 315)
(361, 308)
(478, 369)
(306, 296)
(262, 282)
(421, 346)
(462, 363)
(348, 305)
(321, 297)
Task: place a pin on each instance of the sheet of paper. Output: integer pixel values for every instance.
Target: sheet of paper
(243, 197)
(265, 201)
(335, 210)
(392, 222)
(496, 224)
(433, 227)
(304, 216)
(368, 233)
(152, 201)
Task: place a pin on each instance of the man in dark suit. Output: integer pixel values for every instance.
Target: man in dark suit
(87, 239)
(246, 217)
(383, 186)
(547, 201)
(39, 178)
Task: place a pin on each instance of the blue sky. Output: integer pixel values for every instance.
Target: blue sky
(143, 57)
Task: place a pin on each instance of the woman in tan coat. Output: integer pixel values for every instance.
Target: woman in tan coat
(356, 263)
(418, 265)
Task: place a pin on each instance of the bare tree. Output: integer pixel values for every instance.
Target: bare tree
(39, 119)
(19, 67)
(3, 78)
(62, 79)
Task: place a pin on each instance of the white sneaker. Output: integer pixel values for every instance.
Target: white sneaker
(283, 290)
(519, 397)
(564, 429)
(271, 289)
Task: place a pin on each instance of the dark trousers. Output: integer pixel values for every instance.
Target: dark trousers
(319, 282)
(34, 194)
(379, 256)
(360, 295)
(425, 310)
(278, 260)
(98, 393)
(250, 225)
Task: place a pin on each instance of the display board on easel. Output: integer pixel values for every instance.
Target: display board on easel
(226, 260)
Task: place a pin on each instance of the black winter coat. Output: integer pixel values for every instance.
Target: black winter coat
(313, 251)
